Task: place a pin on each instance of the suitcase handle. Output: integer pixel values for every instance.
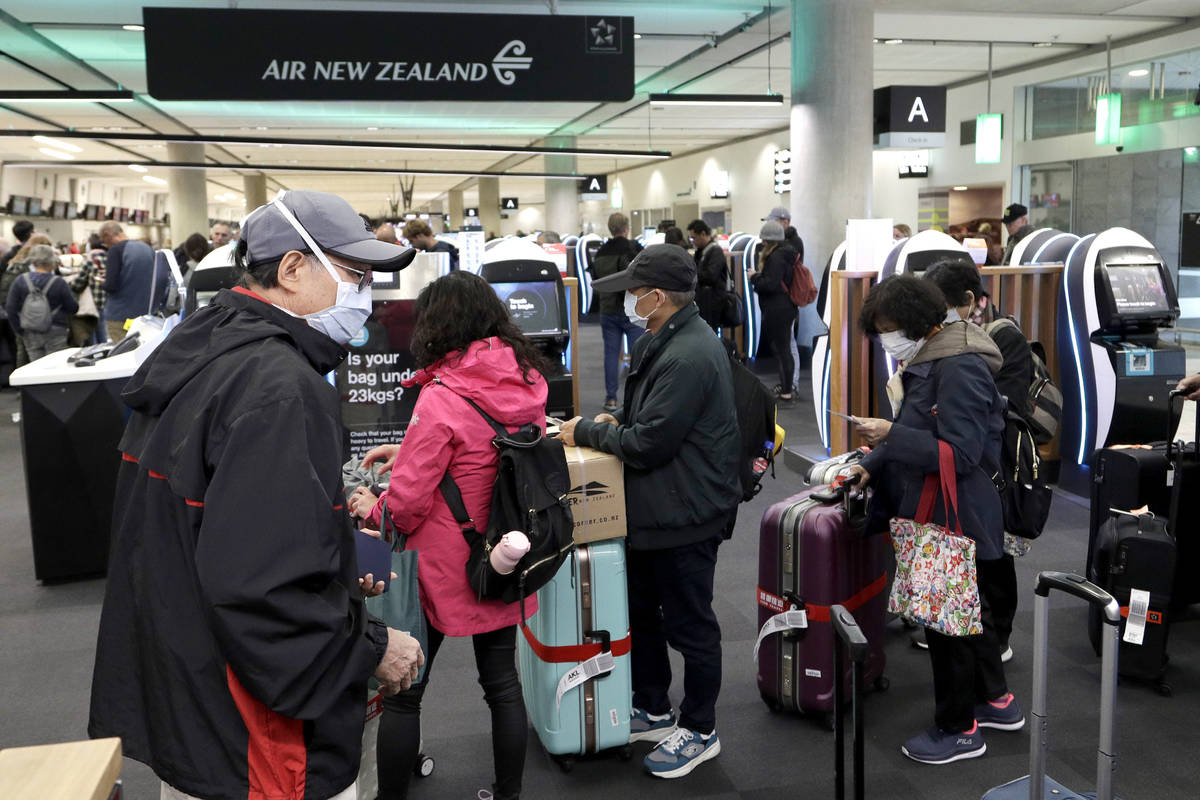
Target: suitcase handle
(1082, 588)
(849, 634)
(1106, 759)
(1171, 396)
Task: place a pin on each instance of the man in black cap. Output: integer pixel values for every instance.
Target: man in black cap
(234, 648)
(677, 435)
(1016, 221)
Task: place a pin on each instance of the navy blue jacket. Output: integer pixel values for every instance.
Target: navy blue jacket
(954, 399)
(132, 268)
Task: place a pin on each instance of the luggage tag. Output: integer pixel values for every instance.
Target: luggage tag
(594, 667)
(1135, 627)
(790, 617)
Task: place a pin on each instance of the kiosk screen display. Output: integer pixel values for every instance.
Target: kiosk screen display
(1138, 288)
(533, 305)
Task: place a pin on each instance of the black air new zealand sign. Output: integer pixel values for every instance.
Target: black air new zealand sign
(374, 55)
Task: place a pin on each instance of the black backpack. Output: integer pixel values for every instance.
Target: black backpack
(1024, 495)
(756, 422)
(1044, 398)
(530, 495)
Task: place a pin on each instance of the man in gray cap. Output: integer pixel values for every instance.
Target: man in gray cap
(234, 648)
(1016, 222)
(790, 235)
(677, 435)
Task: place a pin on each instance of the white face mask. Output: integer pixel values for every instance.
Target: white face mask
(351, 308)
(952, 316)
(899, 346)
(631, 301)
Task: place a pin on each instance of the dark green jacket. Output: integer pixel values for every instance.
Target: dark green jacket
(678, 436)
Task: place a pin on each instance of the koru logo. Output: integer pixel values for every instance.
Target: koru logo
(591, 489)
(511, 57)
(603, 36)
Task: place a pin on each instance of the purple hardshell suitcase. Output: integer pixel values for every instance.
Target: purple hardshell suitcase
(812, 555)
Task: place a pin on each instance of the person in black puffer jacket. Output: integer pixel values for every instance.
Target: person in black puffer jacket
(771, 281)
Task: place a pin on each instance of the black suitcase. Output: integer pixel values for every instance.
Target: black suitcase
(1135, 553)
(1127, 477)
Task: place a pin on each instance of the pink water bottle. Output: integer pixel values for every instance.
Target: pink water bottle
(508, 551)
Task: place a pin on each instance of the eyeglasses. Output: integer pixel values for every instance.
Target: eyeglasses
(364, 276)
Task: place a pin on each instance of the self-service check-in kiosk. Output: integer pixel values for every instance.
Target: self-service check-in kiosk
(531, 288)
(214, 273)
(1117, 373)
(743, 251)
(583, 254)
(1043, 246)
(821, 354)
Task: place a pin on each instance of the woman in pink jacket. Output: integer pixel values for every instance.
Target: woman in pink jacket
(467, 347)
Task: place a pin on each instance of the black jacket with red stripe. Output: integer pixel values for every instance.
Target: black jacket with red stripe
(234, 648)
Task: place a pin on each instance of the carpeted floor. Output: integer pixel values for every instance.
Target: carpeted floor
(47, 645)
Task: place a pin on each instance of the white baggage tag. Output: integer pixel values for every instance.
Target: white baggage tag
(1139, 605)
(580, 674)
(788, 620)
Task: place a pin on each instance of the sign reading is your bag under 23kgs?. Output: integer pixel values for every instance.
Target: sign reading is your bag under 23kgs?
(372, 55)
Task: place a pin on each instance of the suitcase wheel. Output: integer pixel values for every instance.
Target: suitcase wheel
(882, 684)
(772, 704)
(424, 766)
(565, 763)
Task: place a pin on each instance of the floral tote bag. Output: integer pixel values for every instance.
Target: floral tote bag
(936, 584)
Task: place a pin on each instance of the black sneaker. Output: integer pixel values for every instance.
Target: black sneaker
(936, 746)
(1006, 716)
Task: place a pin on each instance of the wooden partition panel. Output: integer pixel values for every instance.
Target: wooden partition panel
(851, 381)
(1030, 294)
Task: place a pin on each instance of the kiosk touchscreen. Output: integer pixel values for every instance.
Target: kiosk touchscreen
(1117, 296)
(531, 288)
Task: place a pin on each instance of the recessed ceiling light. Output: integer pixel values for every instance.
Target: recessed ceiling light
(260, 127)
(59, 154)
(1043, 44)
(1138, 73)
(138, 168)
(133, 27)
(960, 188)
(372, 128)
(637, 36)
(893, 41)
(875, 41)
(71, 148)
(154, 180)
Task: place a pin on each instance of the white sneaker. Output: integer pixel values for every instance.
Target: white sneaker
(1007, 655)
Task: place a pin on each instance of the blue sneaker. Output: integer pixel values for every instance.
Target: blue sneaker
(936, 746)
(681, 752)
(1003, 714)
(647, 727)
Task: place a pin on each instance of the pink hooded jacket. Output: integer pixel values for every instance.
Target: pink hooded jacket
(446, 433)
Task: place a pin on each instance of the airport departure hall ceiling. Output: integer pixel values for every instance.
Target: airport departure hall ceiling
(715, 46)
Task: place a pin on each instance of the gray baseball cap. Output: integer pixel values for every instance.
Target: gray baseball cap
(771, 231)
(778, 213)
(331, 222)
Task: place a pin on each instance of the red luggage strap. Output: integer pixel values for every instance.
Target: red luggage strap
(818, 613)
(569, 653)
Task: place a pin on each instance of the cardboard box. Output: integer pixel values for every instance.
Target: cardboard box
(597, 494)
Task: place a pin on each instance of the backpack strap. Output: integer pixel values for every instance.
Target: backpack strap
(454, 500)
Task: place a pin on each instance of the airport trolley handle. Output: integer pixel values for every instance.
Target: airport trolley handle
(1106, 758)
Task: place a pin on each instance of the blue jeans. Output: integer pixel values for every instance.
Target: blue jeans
(612, 326)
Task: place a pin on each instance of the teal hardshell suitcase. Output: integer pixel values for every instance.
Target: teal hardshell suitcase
(574, 656)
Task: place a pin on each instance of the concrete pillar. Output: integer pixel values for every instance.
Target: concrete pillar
(254, 186)
(489, 205)
(831, 119)
(562, 197)
(436, 220)
(187, 201)
(455, 209)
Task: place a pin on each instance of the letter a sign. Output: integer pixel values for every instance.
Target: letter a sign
(509, 203)
(594, 187)
(918, 110)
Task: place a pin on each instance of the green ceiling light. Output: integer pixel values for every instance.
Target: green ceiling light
(989, 136)
(1191, 155)
(1108, 118)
